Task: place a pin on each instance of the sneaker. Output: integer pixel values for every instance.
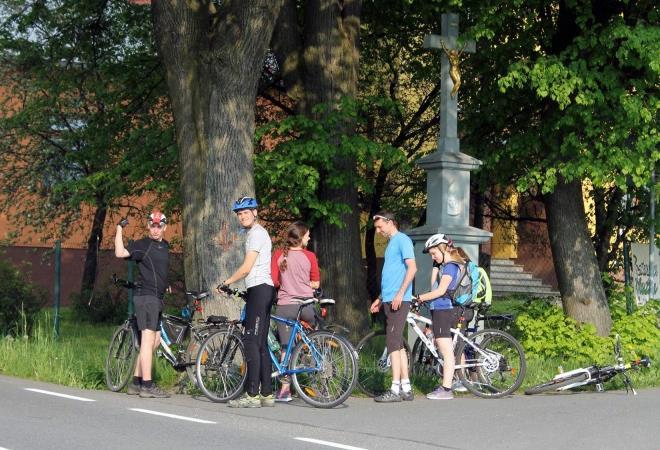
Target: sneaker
(267, 400)
(153, 392)
(440, 394)
(407, 396)
(457, 386)
(388, 397)
(284, 397)
(133, 389)
(245, 401)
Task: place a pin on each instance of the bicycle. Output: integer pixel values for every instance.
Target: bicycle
(426, 364)
(489, 363)
(593, 375)
(179, 341)
(322, 365)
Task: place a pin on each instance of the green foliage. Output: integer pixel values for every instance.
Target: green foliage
(20, 301)
(546, 333)
(104, 305)
(84, 118)
(288, 177)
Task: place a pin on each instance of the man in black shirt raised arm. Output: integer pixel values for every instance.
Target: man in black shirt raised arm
(151, 255)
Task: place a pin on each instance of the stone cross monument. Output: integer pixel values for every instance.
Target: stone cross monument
(448, 170)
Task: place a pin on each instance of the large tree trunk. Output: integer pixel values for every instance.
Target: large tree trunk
(582, 292)
(92, 252)
(213, 56)
(330, 58)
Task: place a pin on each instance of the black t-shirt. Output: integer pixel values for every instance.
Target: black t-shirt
(152, 261)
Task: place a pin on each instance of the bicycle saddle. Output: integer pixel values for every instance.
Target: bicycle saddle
(217, 319)
(198, 295)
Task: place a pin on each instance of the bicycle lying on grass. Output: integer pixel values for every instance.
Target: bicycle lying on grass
(322, 365)
(489, 363)
(593, 375)
(180, 340)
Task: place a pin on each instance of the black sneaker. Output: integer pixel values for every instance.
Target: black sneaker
(133, 389)
(388, 397)
(407, 396)
(153, 392)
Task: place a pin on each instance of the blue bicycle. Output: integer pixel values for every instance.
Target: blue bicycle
(322, 365)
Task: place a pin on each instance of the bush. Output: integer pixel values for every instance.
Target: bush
(546, 333)
(20, 301)
(108, 304)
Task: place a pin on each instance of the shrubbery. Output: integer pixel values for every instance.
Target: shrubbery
(20, 301)
(545, 332)
(107, 304)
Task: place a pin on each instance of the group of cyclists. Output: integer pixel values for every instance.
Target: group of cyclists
(290, 273)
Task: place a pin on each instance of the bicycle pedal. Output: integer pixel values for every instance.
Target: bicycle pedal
(600, 387)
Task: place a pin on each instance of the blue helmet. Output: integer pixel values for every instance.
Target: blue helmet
(244, 203)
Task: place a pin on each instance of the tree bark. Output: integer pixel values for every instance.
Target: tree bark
(582, 292)
(213, 55)
(331, 58)
(92, 252)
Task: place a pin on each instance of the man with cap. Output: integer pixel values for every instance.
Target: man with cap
(151, 255)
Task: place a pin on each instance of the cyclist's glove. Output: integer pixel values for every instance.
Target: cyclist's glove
(123, 222)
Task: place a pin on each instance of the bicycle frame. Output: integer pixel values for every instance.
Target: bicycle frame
(412, 320)
(282, 367)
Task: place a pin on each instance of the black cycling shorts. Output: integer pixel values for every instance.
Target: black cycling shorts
(443, 321)
(148, 311)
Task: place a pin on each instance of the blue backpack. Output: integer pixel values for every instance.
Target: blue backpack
(473, 288)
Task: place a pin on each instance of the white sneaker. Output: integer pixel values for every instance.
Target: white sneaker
(457, 386)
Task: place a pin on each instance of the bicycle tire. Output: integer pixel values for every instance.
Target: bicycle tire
(335, 380)
(192, 350)
(220, 367)
(498, 363)
(374, 370)
(556, 383)
(423, 363)
(120, 362)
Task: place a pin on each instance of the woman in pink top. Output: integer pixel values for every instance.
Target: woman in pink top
(295, 271)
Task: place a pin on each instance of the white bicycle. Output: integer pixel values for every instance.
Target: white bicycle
(489, 363)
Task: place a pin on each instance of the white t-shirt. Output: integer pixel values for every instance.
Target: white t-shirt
(259, 241)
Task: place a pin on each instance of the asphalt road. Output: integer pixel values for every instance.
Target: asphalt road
(35, 415)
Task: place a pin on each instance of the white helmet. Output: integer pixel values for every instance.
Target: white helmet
(434, 241)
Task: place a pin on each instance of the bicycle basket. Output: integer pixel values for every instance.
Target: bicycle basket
(175, 327)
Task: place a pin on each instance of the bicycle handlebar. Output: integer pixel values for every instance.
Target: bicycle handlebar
(232, 292)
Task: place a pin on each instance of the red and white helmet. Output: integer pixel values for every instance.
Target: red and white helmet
(434, 241)
(157, 217)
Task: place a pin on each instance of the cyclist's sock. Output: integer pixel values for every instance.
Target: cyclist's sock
(395, 386)
(405, 385)
(137, 381)
(147, 383)
(446, 389)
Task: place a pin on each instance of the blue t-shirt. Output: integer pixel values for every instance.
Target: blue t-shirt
(444, 302)
(398, 250)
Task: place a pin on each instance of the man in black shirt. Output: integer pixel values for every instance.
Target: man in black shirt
(151, 255)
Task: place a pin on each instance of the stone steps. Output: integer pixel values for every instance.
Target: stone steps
(507, 278)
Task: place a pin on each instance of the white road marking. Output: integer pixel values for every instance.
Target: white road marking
(57, 394)
(328, 443)
(172, 416)
(2, 448)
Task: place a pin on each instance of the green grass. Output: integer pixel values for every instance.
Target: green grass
(76, 358)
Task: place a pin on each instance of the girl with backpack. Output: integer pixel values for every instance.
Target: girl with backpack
(448, 261)
(295, 272)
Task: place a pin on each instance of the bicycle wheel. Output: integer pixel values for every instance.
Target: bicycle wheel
(220, 368)
(375, 367)
(423, 363)
(335, 369)
(495, 363)
(120, 362)
(556, 383)
(197, 336)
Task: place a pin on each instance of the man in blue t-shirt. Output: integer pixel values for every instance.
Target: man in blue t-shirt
(395, 295)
